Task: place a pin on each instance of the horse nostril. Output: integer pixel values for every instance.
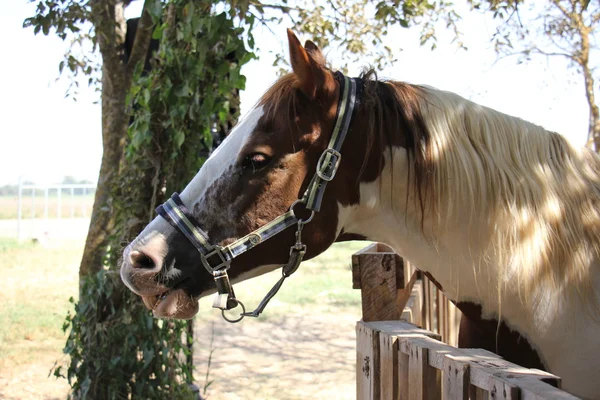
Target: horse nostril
(141, 260)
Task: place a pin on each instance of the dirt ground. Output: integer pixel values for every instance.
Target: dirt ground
(300, 356)
(28, 379)
(293, 357)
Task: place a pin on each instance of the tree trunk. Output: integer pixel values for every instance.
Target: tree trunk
(593, 140)
(583, 59)
(109, 21)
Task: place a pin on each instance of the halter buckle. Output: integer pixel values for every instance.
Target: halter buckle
(218, 250)
(225, 298)
(327, 171)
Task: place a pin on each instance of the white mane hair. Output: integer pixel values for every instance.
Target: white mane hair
(535, 195)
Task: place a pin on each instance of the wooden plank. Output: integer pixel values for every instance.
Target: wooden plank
(505, 380)
(532, 388)
(366, 377)
(424, 381)
(429, 308)
(400, 329)
(454, 372)
(455, 379)
(408, 313)
(379, 272)
(405, 293)
(476, 393)
(482, 367)
(510, 374)
(426, 314)
(453, 324)
(403, 375)
(393, 375)
(388, 358)
(372, 248)
(477, 373)
(409, 271)
(466, 368)
(439, 315)
(417, 368)
(417, 307)
(393, 380)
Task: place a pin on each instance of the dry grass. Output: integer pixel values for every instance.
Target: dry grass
(37, 283)
(70, 207)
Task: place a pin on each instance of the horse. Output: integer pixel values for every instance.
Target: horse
(502, 213)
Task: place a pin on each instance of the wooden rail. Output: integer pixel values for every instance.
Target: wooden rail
(400, 360)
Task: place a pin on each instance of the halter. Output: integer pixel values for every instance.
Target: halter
(217, 259)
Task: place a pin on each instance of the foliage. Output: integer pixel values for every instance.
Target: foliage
(566, 29)
(116, 348)
(357, 28)
(70, 19)
(146, 346)
(188, 95)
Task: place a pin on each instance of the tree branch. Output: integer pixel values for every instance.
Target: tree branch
(141, 42)
(553, 53)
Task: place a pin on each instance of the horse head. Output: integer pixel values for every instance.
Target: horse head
(263, 167)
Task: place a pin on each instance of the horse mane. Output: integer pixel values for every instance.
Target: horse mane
(537, 195)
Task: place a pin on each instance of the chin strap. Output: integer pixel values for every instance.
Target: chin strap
(217, 259)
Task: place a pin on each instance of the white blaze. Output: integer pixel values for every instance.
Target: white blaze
(222, 158)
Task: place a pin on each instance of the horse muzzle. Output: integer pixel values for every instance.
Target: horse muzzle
(143, 272)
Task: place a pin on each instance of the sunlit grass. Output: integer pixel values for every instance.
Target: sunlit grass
(37, 283)
(70, 207)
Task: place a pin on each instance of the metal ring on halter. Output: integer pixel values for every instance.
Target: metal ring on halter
(312, 212)
(233, 321)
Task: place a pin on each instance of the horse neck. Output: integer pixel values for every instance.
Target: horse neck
(458, 250)
(387, 215)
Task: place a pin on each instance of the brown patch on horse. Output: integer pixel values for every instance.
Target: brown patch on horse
(476, 332)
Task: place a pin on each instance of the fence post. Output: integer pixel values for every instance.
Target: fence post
(46, 203)
(72, 202)
(379, 274)
(83, 207)
(59, 202)
(19, 209)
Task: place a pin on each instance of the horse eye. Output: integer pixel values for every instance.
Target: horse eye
(256, 161)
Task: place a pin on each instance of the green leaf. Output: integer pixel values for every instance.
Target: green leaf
(179, 138)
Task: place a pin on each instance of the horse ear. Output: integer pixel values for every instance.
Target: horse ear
(303, 66)
(314, 52)
(309, 45)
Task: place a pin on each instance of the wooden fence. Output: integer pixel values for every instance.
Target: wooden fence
(399, 360)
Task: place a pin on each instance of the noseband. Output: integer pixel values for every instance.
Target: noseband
(217, 259)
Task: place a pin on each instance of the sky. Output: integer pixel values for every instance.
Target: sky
(46, 136)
